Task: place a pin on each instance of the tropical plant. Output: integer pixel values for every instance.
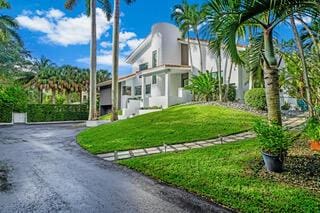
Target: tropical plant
(312, 130)
(203, 86)
(189, 17)
(273, 138)
(15, 96)
(228, 17)
(8, 26)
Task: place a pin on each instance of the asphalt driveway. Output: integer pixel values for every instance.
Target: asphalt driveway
(49, 172)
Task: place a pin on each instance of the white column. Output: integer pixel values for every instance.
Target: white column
(143, 91)
(167, 85)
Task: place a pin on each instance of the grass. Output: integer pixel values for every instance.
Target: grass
(107, 117)
(223, 173)
(171, 126)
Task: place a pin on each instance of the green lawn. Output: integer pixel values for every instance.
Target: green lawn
(174, 125)
(107, 117)
(221, 173)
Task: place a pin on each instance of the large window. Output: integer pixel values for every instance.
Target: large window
(126, 90)
(143, 66)
(154, 58)
(148, 89)
(184, 79)
(154, 79)
(137, 90)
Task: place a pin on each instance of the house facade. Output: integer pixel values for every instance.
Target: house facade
(161, 67)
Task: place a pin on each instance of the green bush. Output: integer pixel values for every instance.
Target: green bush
(232, 92)
(312, 130)
(256, 98)
(48, 112)
(14, 96)
(273, 138)
(5, 113)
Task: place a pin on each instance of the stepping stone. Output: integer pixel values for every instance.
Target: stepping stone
(201, 142)
(123, 153)
(109, 159)
(207, 144)
(168, 149)
(182, 148)
(106, 155)
(190, 144)
(152, 151)
(123, 157)
(139, 154)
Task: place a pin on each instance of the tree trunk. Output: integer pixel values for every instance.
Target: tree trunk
(226, 97)
(80, 97)
(115, 60)
(93, 63)
(190, 51)
(219, 75)
(53, 100)
(68, 97)
(271, 79)
(41, 95)
(304, 66)
(200, 50)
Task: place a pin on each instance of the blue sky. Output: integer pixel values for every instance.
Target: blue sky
(49, 30)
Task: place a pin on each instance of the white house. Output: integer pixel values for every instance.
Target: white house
(161, 67)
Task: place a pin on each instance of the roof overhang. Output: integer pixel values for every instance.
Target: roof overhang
(132, 57)
(166, 68)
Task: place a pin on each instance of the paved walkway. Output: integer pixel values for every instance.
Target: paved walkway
(291, 123)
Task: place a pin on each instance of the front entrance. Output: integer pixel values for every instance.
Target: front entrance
(19, 118)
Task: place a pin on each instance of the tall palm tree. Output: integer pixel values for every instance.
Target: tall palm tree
(189, 17)
(91, 11)
(304, 64)
(265, 15)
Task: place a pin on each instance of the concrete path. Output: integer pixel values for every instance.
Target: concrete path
(113, 156)
(49, 172)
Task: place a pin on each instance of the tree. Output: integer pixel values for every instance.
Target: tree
(304, 65)
(189, 17)
(8, 26)
(265, 15)
(91, 11)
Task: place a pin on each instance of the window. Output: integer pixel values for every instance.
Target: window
(137, 90)
(184, 79)
(154, 58)
(148, 89)
(126, 90)
(184, 54)
(143, 66)
(154, 79)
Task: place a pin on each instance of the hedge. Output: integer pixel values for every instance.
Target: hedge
(49, 112)
(256, 98)
(5, 113)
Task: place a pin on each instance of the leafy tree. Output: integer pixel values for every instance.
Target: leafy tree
(265, 15)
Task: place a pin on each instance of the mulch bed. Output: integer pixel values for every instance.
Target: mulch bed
(302, 168)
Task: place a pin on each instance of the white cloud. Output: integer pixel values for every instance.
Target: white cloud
(134, 43)
(105, 44)
(105, 59)
(55, 14)
(125, 36)
(62, 30)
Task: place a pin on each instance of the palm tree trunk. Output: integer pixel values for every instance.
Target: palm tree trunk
(115, 60)
(53, 100)
(271, 79)
(219, 75)
(190, 52)
(200, 50)
(93, 62)
(68, 97)
(41, 95)
(304, 66)
(226, 97)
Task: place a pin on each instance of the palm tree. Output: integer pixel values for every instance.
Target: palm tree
(91, 10)
(8, 26)
(304, 64)
(189, 17)
(265, 15)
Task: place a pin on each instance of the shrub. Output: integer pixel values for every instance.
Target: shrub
(256, 98)
(14, 96)
(273, 138)
(48, 112)
(312, 130)
(5, 113)
(232, 92)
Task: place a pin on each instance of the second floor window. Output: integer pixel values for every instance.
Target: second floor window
(143, 66)
(154, 58)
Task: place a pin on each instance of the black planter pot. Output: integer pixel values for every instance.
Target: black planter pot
(273, 163)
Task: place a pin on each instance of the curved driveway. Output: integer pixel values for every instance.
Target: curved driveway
(49, 172)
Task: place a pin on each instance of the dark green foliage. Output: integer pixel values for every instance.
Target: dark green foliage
(273, 138)
(5, 113)
(256, 98)
(14, 96)
(232, 92)
(312, 130)
(48, 112)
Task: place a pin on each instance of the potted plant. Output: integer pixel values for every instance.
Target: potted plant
(312, 131)
(274, 141)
